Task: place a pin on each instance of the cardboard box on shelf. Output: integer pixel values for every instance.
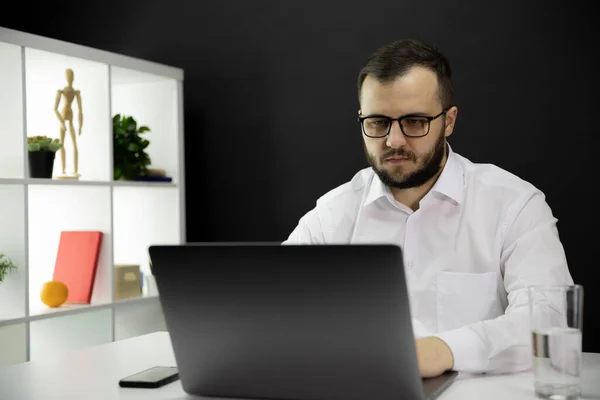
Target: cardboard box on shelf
(128, 281)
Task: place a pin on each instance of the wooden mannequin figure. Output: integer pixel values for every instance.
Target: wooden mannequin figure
(68, 93)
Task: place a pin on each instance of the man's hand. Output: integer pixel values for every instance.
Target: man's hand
(434, 357)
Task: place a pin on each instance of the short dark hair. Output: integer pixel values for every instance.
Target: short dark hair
(393, 60)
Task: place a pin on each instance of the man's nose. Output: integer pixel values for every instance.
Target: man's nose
(396, 138)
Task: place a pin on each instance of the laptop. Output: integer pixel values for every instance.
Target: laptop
(291, 322)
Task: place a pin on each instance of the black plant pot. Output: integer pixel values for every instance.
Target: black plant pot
(41, 164)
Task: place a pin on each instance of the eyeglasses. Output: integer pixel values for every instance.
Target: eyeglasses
(412, 125)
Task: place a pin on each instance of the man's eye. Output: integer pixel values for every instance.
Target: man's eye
(415, 121)
(378, 122)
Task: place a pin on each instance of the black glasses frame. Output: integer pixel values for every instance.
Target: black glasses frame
(429, 118)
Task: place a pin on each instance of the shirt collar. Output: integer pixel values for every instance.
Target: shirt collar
(377, 190)
(450, 182)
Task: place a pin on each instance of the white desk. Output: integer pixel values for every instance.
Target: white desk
(94, 373)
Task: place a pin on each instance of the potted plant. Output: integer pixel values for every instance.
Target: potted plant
(130, 159)
(6, 265)
(41, 153)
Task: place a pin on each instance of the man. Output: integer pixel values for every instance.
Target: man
(474, 236)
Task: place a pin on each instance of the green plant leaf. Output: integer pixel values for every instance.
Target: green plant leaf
(130, 159)
(6, 265)
(43, 143)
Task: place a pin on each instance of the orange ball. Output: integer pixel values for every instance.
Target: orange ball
(54, 293)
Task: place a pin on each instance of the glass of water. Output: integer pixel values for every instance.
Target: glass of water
(556, 316)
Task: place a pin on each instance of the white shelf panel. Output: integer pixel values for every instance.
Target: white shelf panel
(143, 216)
(54, 337)
(39, 181)
(76, 50)
(12, 151)
(8, 321)
(13, 345)
(44, 312)
(144, 184)
(58, 182)
(152, 101)
(138, 318)
(12, 244)
(40, 311)
(45, 75)
(53, 209)
(140, 299)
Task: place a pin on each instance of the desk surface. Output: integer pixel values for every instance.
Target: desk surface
(94, 373)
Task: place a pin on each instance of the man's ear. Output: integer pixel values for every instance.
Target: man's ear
(450, 120)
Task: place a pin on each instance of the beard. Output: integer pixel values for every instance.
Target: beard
(398, 178)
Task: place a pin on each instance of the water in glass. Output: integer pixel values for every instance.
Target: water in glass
(557, 357)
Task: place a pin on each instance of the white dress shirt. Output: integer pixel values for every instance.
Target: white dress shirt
(481, 235)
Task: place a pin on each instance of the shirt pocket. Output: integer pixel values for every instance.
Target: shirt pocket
(464, 298)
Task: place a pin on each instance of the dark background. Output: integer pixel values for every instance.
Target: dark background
(270, 99)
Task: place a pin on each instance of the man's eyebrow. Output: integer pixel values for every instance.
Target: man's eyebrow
(412, 114)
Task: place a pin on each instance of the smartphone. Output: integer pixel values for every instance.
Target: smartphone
(151, 378)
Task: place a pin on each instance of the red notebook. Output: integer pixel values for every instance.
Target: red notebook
(76, 263)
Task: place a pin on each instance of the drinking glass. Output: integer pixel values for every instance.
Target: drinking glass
(556, 323)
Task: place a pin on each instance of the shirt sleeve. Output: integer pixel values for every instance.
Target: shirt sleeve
(532, 254)
(308, 231)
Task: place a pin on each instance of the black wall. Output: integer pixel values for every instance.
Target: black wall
(270, 99)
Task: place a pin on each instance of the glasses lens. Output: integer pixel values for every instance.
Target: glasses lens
(376, 126)
(415, 126)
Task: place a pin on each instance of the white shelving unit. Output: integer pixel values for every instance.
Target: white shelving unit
(132, 215)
